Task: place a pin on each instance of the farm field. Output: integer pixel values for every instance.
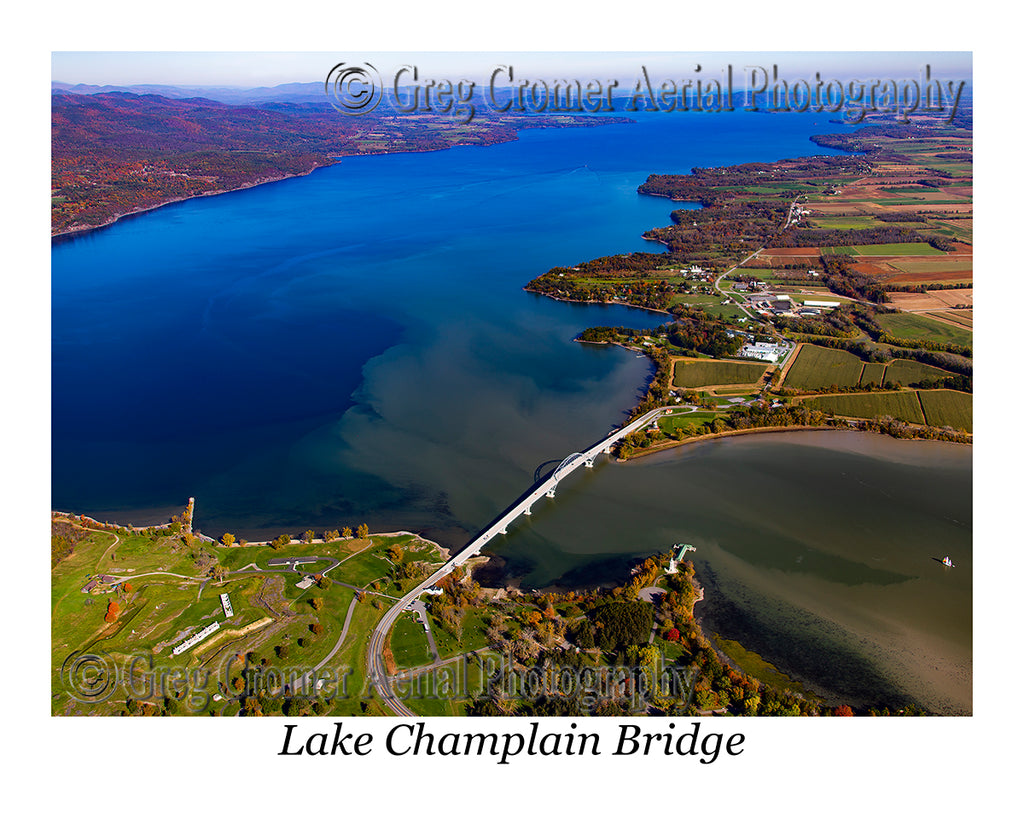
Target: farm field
(964, 318)
(903, 405)
(904, 371)
(820, 367)
(700, 373)
(947, 408)
(895, 249)
(910, 325)
(932, 300)
(874, 373)
(957, 265)
(843, 222)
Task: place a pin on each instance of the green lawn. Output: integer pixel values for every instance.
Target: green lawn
(695, 419)
(409, 643)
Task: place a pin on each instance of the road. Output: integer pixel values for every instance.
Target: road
(545, 488)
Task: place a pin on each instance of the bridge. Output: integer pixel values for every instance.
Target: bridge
(543, 488)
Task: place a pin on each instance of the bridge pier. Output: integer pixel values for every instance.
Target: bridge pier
(550, 493)
(589, 464)
(527, 511)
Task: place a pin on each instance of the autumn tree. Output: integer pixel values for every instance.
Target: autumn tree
(363, 531)
(331, 534)
(308, 535)
(281, 542)
(113, 609)
(317, 603)
(227, 539)
(346, 532)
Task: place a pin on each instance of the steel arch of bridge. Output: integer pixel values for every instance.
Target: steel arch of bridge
(565, 463)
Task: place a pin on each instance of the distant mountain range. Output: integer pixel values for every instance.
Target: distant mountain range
(289, 92)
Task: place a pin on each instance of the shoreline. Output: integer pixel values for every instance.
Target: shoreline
(72, 233)
(612, 303)
(767, 430)
(333, 159)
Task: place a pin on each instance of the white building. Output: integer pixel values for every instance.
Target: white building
(195, 639)
(763, 351)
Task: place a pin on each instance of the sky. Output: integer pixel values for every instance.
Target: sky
(253, 69)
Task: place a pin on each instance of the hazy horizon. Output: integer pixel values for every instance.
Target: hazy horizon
(246, 70)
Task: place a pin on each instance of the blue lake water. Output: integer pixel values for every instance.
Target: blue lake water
(196, 347)
(355, 346)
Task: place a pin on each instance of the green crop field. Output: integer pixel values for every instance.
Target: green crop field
(903, 405)
(873, 372)
(701, 373)
(820, 367)
(898, 249)
(948, 408)
(933, 266)
(843, 222)
(911, 325)
(903, 371)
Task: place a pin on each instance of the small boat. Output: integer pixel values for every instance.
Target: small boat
(947, 562)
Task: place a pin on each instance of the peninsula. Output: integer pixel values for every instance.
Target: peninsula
(821, 291)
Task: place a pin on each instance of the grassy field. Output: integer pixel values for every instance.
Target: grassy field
(903, 405)
(671, 423)
(821, 367)
(701, 373)
(409, 643)
(168, 595)
(755, 665)
(914, 326)
(948, 408)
